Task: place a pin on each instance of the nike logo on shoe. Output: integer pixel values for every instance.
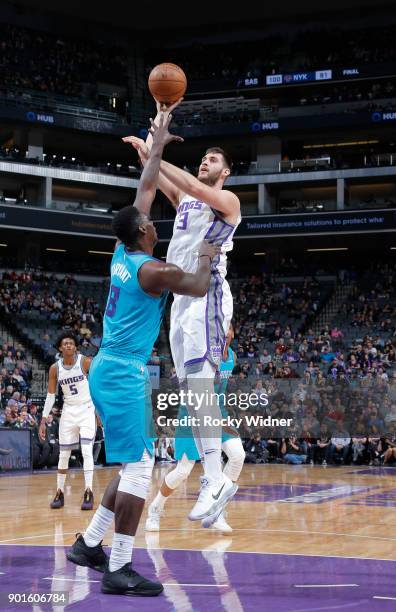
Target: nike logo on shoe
(218, 494)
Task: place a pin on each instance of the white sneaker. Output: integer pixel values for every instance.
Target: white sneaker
(153, 519)
(213, 496)
(220, 524)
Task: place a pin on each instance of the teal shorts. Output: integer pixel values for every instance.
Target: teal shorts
(121, 391)
(184, 439)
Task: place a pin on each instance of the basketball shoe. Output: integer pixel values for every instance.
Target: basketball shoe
(58, 501)
(213, 497)
(125, 581)
(217, 522)
(153, 518)
(88, 500)
(88, 556)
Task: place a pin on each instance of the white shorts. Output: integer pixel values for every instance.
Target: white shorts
(77, 423)
(199, 326)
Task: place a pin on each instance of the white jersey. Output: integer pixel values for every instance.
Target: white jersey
(74, 382)
(196, 221)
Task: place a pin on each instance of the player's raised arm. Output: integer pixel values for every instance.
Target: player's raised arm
(143, 148)
(148, 181)
(222, 200)
(156, 277)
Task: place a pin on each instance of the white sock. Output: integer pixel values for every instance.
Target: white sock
(60, 481)
(212, 464)
(159, 501)
(98, 526)
(121, 551)
(88, 477)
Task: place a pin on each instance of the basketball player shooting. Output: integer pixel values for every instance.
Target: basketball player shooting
(78, 421)
(204, 211)
(119, 379)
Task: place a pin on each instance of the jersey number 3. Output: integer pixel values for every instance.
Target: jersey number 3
(182, 221)
(113, 299)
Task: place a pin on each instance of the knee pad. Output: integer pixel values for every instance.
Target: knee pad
(64, 456)
(236, 458)
(136, 477)
(175, 477)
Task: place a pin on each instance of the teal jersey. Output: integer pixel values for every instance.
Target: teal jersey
(226, 368)
(132, 318)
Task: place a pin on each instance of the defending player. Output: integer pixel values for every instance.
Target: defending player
(119, 380)
(186, 453)
(204, 210)
(78, 421)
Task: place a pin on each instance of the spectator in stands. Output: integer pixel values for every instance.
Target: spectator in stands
(9, 418)
(293, 451)
(45, 344)
(255, 450)
(339, 446)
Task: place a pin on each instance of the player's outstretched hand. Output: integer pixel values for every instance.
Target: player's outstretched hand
(160, 132)
(139, 145)
(208, 249)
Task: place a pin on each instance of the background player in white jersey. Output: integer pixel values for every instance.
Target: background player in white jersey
(78, 420)
(204, 210)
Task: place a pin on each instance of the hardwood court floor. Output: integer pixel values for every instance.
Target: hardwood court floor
(297, 510)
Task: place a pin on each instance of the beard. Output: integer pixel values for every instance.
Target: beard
(209, 179)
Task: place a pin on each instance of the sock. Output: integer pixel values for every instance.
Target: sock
(212, 463)
(159, 501)
(60, 481)
(101, 520)
(121, 551)
(88, 477)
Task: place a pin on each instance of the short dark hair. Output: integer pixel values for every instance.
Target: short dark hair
(126, 225)
(63, 337)
(226, 156)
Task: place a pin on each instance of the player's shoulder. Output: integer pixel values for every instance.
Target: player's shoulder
(54, 368)
(231, 194)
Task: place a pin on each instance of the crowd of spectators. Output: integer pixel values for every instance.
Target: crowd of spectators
(351, 92)
(47, 63)
(343, 399)
(15, 376)
(274, 54)
(337, 383)
(58, 303)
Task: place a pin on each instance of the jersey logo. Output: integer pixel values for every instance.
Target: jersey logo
(72, 379)
(192, 205)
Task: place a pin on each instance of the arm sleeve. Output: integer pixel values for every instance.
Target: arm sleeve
(49, 402)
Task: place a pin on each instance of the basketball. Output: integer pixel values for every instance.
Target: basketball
(167, 83)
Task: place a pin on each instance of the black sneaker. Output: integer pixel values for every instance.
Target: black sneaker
(88, 556)
(125, 581)
(88, 500)
(58, 501)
